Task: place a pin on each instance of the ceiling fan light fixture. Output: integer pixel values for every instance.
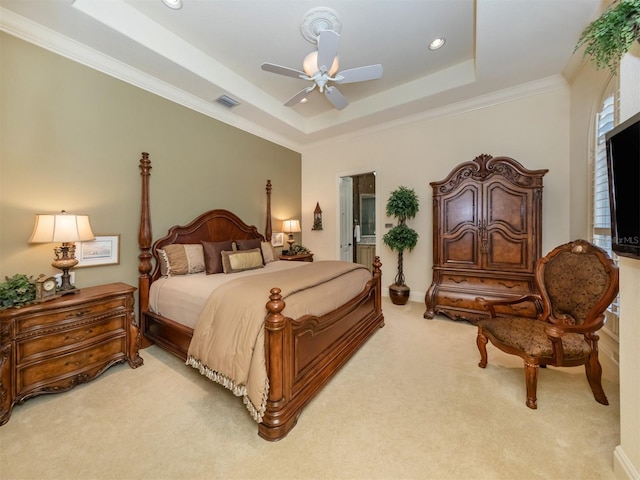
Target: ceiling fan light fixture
(310, 65)
(437, 43)
(174, 4)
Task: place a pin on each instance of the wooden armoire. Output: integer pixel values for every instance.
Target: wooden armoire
(487, 237)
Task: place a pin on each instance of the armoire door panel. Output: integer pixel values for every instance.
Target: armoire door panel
(507, 253)
(461, 249)
(460, 210)
(507, 207)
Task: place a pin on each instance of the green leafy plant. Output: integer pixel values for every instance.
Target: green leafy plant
(298, 249)
(608, 38)
(16, 291)
(402, 204)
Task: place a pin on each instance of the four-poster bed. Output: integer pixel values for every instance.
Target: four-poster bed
(301, 354)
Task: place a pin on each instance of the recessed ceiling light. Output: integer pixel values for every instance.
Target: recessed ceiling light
(437, 43)
(175, 4)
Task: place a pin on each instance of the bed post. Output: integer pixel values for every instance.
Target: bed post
(273, 425)
(267, 230)
(144, 242)
(377, 275)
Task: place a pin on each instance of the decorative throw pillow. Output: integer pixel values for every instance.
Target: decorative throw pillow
(213, 257)
(182, 259)
(248, 244)
(241, 260)
(164, 263)
(268, 254)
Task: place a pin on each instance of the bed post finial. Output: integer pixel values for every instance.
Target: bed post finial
(268, 230)
(144, 238)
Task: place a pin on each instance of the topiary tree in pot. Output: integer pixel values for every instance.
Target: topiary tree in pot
(403, 205)
(609, 37)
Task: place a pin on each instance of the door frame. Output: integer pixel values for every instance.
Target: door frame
(353, 173)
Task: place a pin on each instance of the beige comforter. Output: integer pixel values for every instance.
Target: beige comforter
(228, 340)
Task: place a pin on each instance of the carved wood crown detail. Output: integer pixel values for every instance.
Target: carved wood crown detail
(484, 166)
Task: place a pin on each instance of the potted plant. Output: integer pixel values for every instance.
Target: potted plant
(17, 291)
(403, 205)
(611, 36)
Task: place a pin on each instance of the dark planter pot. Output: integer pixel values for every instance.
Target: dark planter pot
(399, 294)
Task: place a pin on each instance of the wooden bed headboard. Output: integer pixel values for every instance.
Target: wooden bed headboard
(212, 226)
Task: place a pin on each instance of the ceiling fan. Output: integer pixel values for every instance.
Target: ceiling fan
(322, 67)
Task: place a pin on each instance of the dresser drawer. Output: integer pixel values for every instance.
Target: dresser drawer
(466, 302)
(56, 342)
(507, 285)
(42, 320)
(71, 364)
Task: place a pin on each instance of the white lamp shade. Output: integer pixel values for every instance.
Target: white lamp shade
(62, 228)
(291, 226)
(310, 65)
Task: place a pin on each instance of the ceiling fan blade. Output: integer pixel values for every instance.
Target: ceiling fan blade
(327, 48)
(298, 97)
(289, 72)
(360, 74)
(336, 98)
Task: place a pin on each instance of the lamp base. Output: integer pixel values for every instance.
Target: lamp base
(65, 260)
(66, 286)
(291, 241)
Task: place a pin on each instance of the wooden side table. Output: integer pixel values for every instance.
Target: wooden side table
(301, 257)
(53, 346)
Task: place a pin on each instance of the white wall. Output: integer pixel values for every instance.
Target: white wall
(533, 128)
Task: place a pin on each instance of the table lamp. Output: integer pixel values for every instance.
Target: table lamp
(67, 229)
(290, 227)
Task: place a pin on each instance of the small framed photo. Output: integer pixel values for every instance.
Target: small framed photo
(277, 239)
(104, 250)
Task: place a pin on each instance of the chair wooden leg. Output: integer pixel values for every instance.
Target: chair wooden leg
(531, 379)
(481, 341)
(594, 376)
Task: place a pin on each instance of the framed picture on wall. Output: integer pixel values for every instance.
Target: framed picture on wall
(104, 250)
(277, 239)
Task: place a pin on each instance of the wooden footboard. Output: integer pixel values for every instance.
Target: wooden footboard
(304, 354)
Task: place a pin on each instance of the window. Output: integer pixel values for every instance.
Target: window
(601, 224)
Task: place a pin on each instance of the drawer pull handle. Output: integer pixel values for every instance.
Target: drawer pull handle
(508, 285)
(454, 300)
(80, 313)
(458, 280)
(80, 336)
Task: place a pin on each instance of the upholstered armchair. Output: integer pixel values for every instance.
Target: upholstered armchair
(576, 282)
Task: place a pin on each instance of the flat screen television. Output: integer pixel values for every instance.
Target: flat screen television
(623, 166)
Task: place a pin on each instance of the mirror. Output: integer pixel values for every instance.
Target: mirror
(368, 214)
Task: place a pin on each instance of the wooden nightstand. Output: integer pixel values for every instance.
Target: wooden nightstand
(53, 346)
(301, 257)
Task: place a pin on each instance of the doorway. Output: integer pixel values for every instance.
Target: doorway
(358, 218)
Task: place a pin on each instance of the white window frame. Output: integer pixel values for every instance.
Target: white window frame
(605, 120)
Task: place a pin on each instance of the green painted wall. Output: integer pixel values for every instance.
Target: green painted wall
(71, 138)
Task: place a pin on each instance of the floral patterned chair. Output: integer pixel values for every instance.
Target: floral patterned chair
(576, 282)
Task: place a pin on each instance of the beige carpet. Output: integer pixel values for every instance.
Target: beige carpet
(412, 404)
